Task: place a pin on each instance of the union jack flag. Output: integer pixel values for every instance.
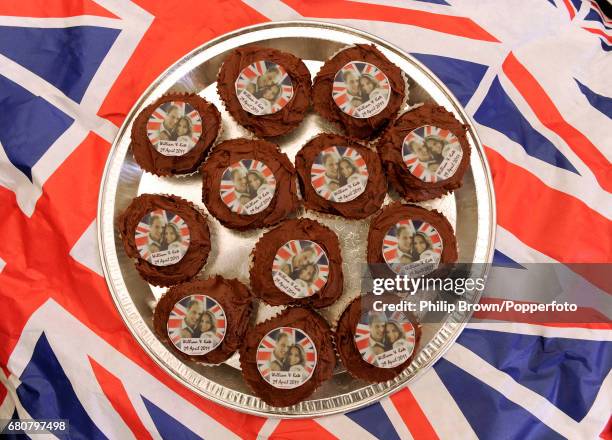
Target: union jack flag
(534, 78)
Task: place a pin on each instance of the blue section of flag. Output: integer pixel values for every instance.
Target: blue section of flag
(167, 426)
(541, 364)
(374, 419)
(592, 15)
(14, 436)
(68, 58)
(502, 260)
(500, 113)
(46, 393)
(576, 4)
(600, 102)
(29, 124)
(605, 46)
(489, 413)
(461, 77)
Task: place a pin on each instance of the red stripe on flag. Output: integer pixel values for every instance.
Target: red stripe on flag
(115, 392)
(570, 9)
(600, 33)
(549, 115)
(412, 415)
(46, 9)
(557, 238)
(345, 9)
(341, 99)
(296, 429)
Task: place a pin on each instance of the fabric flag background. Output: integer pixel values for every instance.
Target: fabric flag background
(533, 74)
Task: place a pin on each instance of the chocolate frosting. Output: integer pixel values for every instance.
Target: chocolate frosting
(393, 213)
(152, 160)
(390, 149)
(348, 351)
(265, 252)
(275, 124)
(229, 152)
(199, 238)
(323, 83)
(316, 328)
(232, 296)
(367, 203)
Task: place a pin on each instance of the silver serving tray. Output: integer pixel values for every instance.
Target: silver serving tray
(471, 211)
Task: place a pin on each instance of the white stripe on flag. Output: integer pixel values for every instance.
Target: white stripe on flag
(267, 429)
(503, 383)
(597, 418)
(545, 331)
(440, 408)
(344, 428)
(396, 419)
(85, 250)
(2, 265)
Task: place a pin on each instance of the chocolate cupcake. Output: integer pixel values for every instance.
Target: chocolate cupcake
(299, 263)
(168, 237)
(265, 90)
(340, 176)
(409, 240)
(286, 358)
(376, 346)
(360, 89)
(204, 320)
(249, 184)
(173, 135)
(425, 153)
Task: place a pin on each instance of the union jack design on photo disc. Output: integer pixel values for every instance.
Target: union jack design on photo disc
(340, 189)
(293, 284)
(263, 88)
(291, 376)
(445, 162)
(183, 136)
(204, 340)
(397, 340)
(361, 89)
(251, 200)
(393, 255)
(162, 237)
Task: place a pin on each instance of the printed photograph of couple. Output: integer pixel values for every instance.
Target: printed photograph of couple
(384, 332)
(361, 89)
(431, 153)
(177, 121)
(305, 263)
(244, 184)
(161, 231)
(409, 242)
(197, 317)
(264, 88)
(339, 174)
(286, 350)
